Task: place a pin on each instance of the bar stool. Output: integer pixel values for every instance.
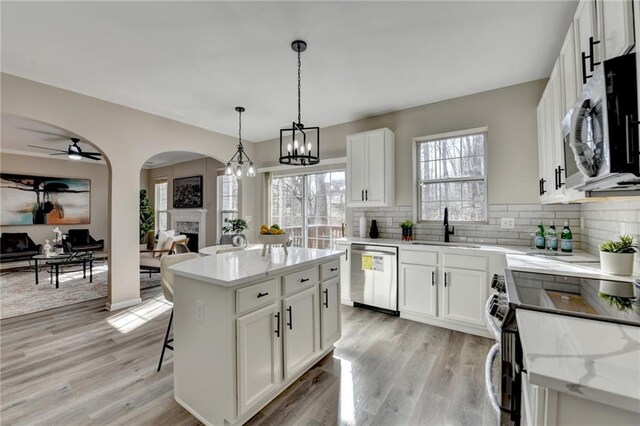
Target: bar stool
(166, 277)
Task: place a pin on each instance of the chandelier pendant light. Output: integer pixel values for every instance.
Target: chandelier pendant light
(299, 144)
(240, 164)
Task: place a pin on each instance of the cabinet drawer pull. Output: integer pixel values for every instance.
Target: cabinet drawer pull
(326, 298)
(366, 195)
(277, 315)
(304, 280)
(433, 278)
(333, 269)
(362, 195)
(262, 295)
(290, 323)
(445, 279)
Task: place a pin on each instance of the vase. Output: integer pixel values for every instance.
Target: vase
(616, 263)
(407, 234)
(363, 226)
(373, 232)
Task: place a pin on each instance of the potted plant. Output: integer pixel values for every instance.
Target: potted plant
(147, 220)
(234, 232)
(407, 230)
(616, 257)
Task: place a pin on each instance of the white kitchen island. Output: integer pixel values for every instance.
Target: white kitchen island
(247, 326)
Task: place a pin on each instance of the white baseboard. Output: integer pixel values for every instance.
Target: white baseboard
(346, 301)
(123, 304)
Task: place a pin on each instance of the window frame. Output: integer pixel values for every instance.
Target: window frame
(417, 182)
(305, 218)
(160, 181)
(221, 212)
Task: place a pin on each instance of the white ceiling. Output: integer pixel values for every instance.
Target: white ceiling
(195, 61)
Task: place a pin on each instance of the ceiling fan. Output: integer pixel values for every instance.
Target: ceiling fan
(74, 152)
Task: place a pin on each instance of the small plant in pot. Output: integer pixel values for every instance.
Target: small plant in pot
(407, 230)
(233, 230)
(616, 257)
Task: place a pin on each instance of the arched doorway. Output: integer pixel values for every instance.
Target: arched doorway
(53, 179)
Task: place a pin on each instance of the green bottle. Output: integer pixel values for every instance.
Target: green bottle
(539, 240)
(566, 239)
(552, 237)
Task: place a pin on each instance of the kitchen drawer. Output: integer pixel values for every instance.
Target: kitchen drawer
(462, 261)
(329, 270)
(419, 257)
(299, 280)
(256, 295)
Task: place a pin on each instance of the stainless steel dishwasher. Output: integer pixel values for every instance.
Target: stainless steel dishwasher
(374, 277)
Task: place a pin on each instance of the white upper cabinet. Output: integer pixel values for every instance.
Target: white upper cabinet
(370, 169)
(587, 42)
(617, 27)
(568, 70)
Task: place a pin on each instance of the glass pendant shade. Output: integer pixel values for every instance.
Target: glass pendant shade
(240, 158)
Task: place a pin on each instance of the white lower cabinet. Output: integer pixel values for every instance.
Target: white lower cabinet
(301, 324)
(464, 295)
(418, 290)
(259, 355)
(330, 327)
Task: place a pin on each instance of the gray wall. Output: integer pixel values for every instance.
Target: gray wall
(509, 113)
(97, 173)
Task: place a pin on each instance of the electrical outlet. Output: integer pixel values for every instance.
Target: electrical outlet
(200, 311)
(389, 221)
(507, 223)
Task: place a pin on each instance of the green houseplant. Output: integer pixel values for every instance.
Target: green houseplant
(616, 257)
(233, 232)
(147, 218)
(407, 230)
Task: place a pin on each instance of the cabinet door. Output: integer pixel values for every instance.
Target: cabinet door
(556, 148)
(258, 355)
(330, 329)
(375, 175)
(301, 323)
(569, 70)
(345, 271)
(418, 290)
(585, 27)
(617, 26)
(356, 169)
(464, 295)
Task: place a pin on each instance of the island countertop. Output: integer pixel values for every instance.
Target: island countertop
(241, 267)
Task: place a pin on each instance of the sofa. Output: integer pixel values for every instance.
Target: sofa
(17, 246)
(81, 240)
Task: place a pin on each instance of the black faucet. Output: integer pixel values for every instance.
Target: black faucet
(447, 231)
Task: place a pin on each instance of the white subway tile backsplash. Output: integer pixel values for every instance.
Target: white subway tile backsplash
(526, 219)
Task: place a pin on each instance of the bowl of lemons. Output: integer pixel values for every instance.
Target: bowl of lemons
(272, 235)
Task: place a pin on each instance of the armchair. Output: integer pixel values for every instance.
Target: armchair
(151, 259)
(81, 240)
(17, 246)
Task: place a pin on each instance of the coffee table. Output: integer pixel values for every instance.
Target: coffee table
(59, 261)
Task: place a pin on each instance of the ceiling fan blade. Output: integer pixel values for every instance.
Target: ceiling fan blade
(42, 132)
(60, 153)
(91, 157)
(50, 149)
(91, 153)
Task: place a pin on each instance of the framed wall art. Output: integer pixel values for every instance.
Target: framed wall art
(187, 192)
(43, 200)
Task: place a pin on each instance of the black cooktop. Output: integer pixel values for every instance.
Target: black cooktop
(613, 301)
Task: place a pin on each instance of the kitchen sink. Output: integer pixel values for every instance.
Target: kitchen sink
(443, 244)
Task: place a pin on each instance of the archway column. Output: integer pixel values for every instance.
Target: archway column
(124, 256)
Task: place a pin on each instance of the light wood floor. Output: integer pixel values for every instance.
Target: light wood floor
(69, 366)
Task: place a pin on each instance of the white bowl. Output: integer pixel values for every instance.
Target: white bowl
(273, 239)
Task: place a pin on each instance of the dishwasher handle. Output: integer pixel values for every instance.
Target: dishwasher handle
(369, 250)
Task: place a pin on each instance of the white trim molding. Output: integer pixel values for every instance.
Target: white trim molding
(191, 215)
(124, 304)
(326, 162)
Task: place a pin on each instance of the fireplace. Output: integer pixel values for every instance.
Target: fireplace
(192, 223)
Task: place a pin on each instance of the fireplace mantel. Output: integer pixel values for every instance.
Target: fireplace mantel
(198, 216)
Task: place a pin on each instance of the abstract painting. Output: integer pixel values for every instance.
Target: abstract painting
(187, 192)
(42, 200)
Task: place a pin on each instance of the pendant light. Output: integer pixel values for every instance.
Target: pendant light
(237, 166)
(299, 145)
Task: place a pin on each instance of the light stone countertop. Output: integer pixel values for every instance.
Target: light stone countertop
(590, 359)
(241, 267)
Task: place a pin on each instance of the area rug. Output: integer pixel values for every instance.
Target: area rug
(19, 294)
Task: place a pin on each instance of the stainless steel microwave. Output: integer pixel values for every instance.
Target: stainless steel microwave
(601, 131)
